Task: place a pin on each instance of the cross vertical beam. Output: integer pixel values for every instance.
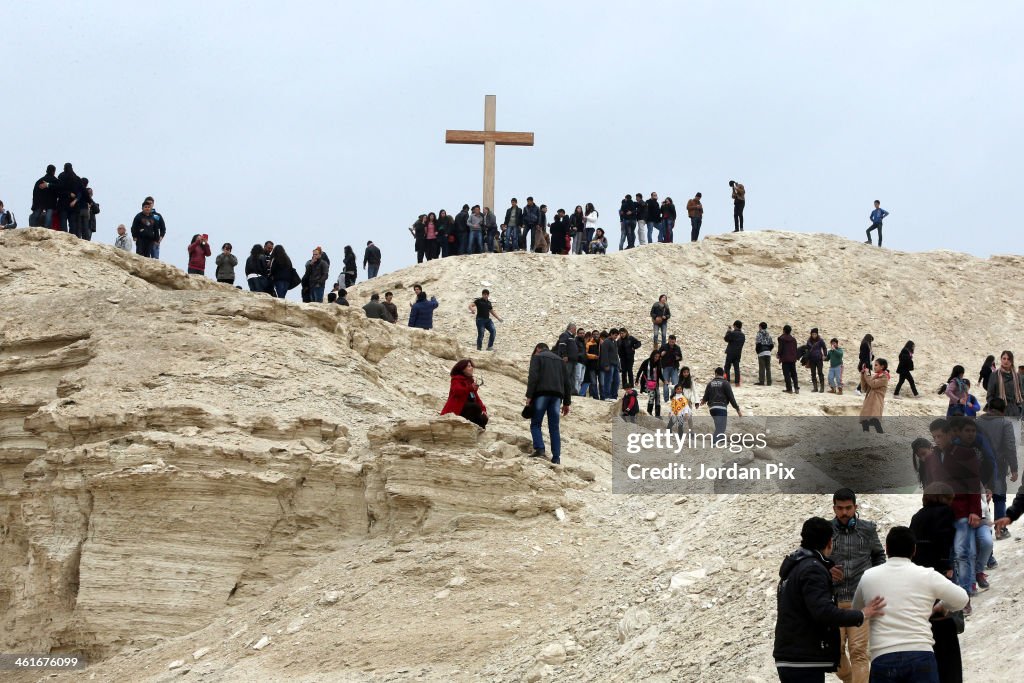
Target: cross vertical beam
(489, 137)
(490, 121)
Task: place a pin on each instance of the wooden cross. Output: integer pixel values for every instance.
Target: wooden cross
(488, 137)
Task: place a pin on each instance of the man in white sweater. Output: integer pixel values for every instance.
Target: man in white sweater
(901, 640)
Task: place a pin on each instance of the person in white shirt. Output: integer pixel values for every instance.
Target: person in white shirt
(901, 639)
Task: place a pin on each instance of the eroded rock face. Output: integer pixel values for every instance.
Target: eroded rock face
(178, 445)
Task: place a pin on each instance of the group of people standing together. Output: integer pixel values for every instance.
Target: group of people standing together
(476, 230)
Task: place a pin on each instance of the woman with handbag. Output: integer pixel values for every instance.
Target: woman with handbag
(649, 379)
(463, 395)
(350, 267)
(874, 383)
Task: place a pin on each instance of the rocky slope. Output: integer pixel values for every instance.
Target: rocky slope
(197, 480)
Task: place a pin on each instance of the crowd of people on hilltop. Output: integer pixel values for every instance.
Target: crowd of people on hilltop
(476, 230)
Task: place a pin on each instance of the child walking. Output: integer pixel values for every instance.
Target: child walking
(835, 367)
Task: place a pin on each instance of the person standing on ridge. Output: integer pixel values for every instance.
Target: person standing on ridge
(484, 310)
(739, 202)
(808, 622)
(549, 391)
(641, 219)
(371, 260)
(877, 216)
(531, 223)
(734, 340)
(695, 210)
(627, 223)
(44, 200)
(226, 262)
(161, 225)
(855, 549)
(513, 225)
(654, 219)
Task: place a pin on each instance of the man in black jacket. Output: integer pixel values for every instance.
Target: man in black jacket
(531, 221)
(671, 358)
(627, 223)
(628, 344)
(569, 352)
(807, 626)
(654, 218)
(734, 341)
(461, 245)
(549, 390)
(44, 200)
(718, 397)
(371, 260)
(1013, 513)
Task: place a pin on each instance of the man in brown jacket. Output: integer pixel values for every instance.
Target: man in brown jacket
(695, 210)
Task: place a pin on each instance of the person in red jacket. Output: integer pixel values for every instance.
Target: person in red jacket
(197, 253)
(464, 397)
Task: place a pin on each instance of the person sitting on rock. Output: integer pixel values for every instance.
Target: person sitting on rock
(463, 395)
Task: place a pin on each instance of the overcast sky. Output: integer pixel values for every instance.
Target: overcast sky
(319, 123)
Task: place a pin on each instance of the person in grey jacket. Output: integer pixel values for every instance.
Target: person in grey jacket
(608, 362)
(855, 549)
(123, 239)
(998, 432)
(549, 392)
(226, 262)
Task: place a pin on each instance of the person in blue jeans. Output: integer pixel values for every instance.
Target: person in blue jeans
(484, 311)
(371, 260)
(609, 362)
(671, 358)
(877, 216)
(718, 397)
(901, 641)
(549, 391)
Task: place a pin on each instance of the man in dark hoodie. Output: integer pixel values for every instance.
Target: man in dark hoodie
(734, 340)
(44, 200)
(787, 357)
(549, 390)
(718, 397)
(808, 621)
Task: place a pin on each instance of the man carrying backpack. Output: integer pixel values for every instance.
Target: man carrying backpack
(763, 345)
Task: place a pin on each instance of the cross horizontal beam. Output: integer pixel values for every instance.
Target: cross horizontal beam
(479, 137)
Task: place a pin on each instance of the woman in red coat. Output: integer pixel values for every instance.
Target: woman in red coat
(463, 396)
